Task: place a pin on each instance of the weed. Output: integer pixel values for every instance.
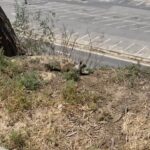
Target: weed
(128, 75)
(91, 98)
(53, 65)
(3, 61)
(41, 35)
(32, 37)
(30, 80)
(133, 71)
(7, 66)
(22, 16)
(17, 140)
(12, 92)
(15, 97)
(70, 92)
(72, 75)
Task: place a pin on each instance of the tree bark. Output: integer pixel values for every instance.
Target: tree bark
(8, 39)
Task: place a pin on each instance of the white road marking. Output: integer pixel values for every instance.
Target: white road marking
(72, 18)
(104, 42)
(126, 25)
(97, 37)
(122, 26)
(100, 21)
(104, 20)
(120, 18)
(140, 3)
(115, 45)
(135, 21)
(96, 12)
(104, 14)
(81, 38)
(56, 4)
(128, 47)
(64, 15)
(134, 27)
(60, 8)
(75, 34)
(120, 2)
(110, 24)
(146, 31)
(83, 14)
(106, 17)
(145, 26)
(141, 50)
(131, 2)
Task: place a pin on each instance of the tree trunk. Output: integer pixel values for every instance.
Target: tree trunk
(8, 38)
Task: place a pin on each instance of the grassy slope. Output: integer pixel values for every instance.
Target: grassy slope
(40, 110)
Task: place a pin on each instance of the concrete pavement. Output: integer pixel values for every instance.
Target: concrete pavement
(121, 27)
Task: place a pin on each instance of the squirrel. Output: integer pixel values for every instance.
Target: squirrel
(79, 67)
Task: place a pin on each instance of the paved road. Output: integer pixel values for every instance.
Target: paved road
(117, 25)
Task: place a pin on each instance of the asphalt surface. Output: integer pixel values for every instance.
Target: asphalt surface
(115, 25)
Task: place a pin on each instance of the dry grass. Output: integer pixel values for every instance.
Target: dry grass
(109, 109)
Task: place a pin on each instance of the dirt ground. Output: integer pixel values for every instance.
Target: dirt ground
(106, 110)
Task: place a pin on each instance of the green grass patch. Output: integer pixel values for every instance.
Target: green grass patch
(17, 140)
(69, 92)
(72, 75)
(30, 80)
(9, 67)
